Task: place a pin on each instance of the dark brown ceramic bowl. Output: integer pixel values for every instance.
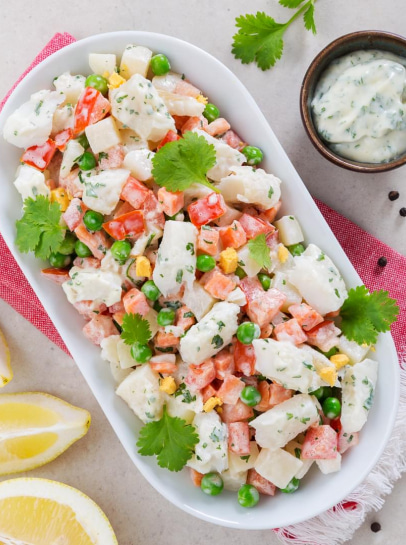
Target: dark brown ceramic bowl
(366, 39)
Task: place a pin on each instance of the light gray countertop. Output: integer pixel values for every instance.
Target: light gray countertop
(98, 464)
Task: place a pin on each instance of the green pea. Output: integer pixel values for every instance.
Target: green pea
(86, 161)
(59, 260)
(248, 495)
(205, 263)
(98, 82)
(331, 407)
(82, 250)
(121, 250)
(254, 155)
(160, 64)
(292, 486)
(83, 141)
(250, 396)
(240, 273)
(247, 332)
(150, 290)
(265, 281)
(211, 112)
(296, 249)
(332, 352)
(93, 220)
(166, 316)
(68, 244)
(322, 392)
(212, 484)
(141, 352)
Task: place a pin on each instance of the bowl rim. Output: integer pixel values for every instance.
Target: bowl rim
(153, 475)
(307, 118)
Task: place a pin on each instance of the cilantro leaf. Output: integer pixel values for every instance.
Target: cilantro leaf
(365, 314)
(39, 230)
(171, 439)
(260, 38)
(259, 251)
(135, 329)
(179, 164)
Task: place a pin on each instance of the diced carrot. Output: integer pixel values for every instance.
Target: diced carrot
(87, 262)
(233, 236)
(194, 123)
(261, 484)
(134, 192)
(218, 284)
(89, 309)
(347, 440)
(171, 202)
(262, 305)
(208, 240)
(324, 336)
(208, 392)
(333, 314)
(218, 126)
(165, 368)
(239, 438)
(165, 340)
(59, 276)
(253, 226)
(180, 120)
(101, 108)
(201, 375)
(271, 213)
(117, 307)
(122, 209)
(320, 444)
(185, 88)
(224, 362)
(71, 183)
(278, 394)
(207, 209)
(119, 317)
(196, 477)
(73, 215)
(171, 136)
(185, 318)
(266, 331)
(113, 158)
(244, 358)
(135, 302)
(290, 331)
(153, 214)
(306, 316)
(229, 392)
(236, 413)
(100, 327)
(232, 139)
(97, 242)
(263, 388)
(272, 240)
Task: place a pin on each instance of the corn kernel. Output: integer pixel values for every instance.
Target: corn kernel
(202, 99)
(143, 266)
(115, 80)
(168, 385)
(283, 253)
(211, 403)
(229, 260)
(106, 74)
(61, 196)
(339, 360)
(329, 375)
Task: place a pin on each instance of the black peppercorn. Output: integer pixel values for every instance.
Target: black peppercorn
(393, 195)
(375, 527)
(402, 212)
(382, 261)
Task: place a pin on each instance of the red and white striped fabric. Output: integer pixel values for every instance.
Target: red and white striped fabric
(363, 250)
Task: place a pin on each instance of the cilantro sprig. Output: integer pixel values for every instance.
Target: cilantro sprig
(170, 439)
(40, 230)
(365, 314)
(260, 38)
(179, 164)
(135, 329)
(259, 251)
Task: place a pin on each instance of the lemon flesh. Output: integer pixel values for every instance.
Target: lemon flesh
(43, 512)
(6, 373)
(35, 428)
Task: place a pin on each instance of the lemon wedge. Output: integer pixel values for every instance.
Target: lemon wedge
(35, 428)
(43, 512)
(6, 373)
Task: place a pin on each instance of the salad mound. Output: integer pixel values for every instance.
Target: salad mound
(234, 342)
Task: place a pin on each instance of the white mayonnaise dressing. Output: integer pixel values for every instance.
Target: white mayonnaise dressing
(359, 106)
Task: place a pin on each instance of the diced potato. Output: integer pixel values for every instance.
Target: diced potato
(101, 63)
(247, 263)
(278, 466)
(198, 300)
(71, 86)
(239, 464)
(118, 373)
(353, 350)
(290, 231)
(227, 158)
(139, 163)
(251, 186)
(102, 191)
(182, 105)
(73, 151)
(103, 135)
(280, 282)
(234, 480)
(330, 466)
(124, 355)
(295, 448)
(187, 411)
(30, 182)
(135, 60)
(109, 349)
(63, 119)
(211, 451)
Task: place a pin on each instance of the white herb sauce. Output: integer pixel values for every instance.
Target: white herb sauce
(359, 106)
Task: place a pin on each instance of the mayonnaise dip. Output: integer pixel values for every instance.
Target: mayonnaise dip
(359, 106)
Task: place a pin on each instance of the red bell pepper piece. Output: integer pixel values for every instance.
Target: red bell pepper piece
(84, 109)
(170, 136)
(62, 138)
(39, 156)
(207, 209)
(127, 225)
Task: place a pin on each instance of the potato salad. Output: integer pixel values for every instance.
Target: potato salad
(221, 326)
